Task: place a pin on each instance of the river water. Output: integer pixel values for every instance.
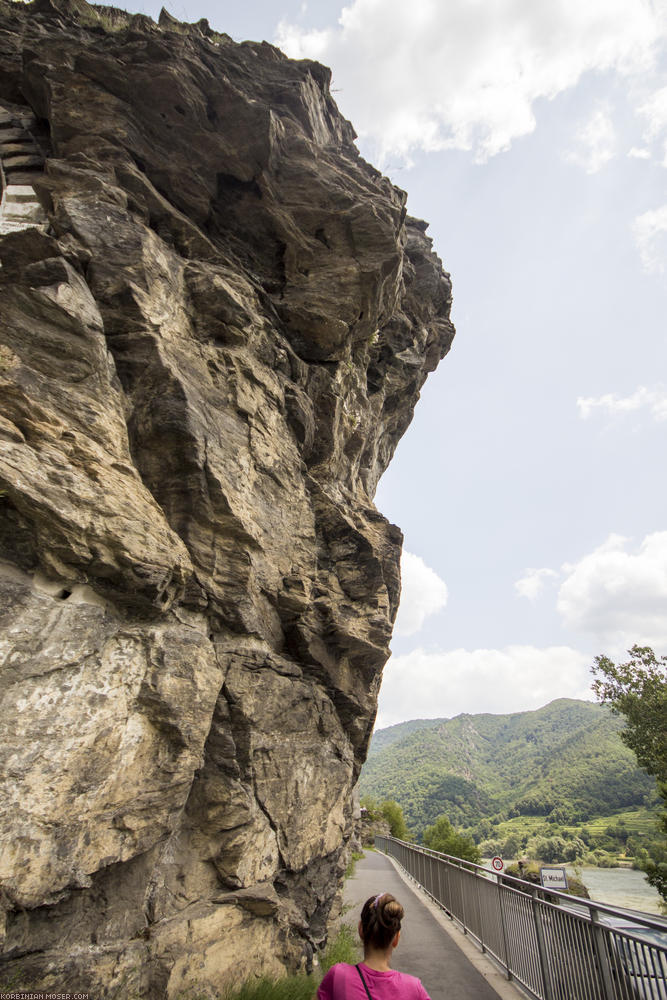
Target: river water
(620, 887)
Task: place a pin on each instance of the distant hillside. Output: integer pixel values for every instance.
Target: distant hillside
(565, 757)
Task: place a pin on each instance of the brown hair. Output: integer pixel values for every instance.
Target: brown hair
(380, 920)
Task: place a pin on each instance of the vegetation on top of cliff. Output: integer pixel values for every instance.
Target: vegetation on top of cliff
(391, 813)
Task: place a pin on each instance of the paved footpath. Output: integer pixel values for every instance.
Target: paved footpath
(431, 947)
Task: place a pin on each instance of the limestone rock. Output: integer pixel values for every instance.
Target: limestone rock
(215, 321)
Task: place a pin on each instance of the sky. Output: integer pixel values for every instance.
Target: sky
(530, 487)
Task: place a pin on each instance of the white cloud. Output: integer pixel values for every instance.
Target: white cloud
(425, 684)
(423, 593)
(595, 141)
(654, 111)
(617, 595)
(653, 400)
(637, 153)
(299, 44)
(532, 582)
(650, 232)
(430, 75)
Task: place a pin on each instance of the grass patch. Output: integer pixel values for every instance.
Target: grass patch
(300, 987)
(352, 863)
(345, 947)
(112, 19)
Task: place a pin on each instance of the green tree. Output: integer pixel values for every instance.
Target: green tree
(443, 837)
(512, 846)
(393, 814)
(638, 691)
(489, 848)
(485, 829)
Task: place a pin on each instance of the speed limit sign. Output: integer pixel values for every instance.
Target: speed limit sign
(498, 864)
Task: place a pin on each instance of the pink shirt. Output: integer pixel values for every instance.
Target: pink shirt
(343, 982)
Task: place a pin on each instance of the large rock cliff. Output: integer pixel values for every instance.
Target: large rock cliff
(215, 320)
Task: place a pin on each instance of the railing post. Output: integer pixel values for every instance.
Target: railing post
(480, 924)
(462, 888)
(448, 888)
(541, 947)
(601, 955)
(439, 864)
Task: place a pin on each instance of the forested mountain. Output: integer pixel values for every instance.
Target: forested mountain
(565, 760)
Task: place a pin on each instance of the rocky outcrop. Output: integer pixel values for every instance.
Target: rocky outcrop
(212, 340)
(21, 159)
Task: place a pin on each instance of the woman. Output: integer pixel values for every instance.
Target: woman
(373, 979)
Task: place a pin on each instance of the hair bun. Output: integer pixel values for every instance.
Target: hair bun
(380, 920)
(391, 911)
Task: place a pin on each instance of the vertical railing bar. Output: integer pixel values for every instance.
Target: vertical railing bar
(638, 953)
(571, 956)
(584, 946)
(534, 956)
(617, 961)
(462, 892)
(480, 929)
(561, 967)
(659, 963)
(439, 864)
(565, 942)
(601, 952)
(657, 972)
(583, 955)
(447, 891)
(541, 950)
(488, 916)
(501, 893)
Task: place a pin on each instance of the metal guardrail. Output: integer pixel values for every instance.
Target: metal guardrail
(555, 946)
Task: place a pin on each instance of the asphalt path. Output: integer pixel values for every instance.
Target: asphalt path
(427, 948)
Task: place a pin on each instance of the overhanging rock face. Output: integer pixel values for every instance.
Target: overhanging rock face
(211, 341)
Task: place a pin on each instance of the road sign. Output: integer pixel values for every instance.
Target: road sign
(498, 864)
(553, 878)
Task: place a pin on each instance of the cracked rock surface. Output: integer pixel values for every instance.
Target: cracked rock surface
(210, 346)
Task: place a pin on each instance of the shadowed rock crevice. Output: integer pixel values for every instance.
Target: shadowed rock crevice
(211, 342)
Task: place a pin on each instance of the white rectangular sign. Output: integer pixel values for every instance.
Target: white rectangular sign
(553, 878)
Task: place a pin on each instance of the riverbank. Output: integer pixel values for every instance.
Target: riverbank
(624, 887)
